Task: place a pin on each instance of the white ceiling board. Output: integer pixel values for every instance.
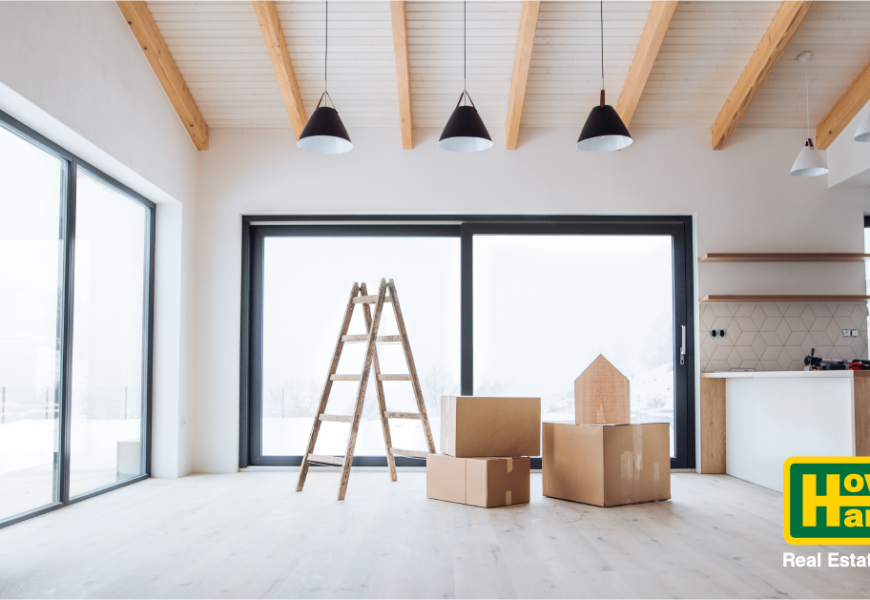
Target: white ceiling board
(838, 35)
(361, 67)
(435, 49)
(706, 49)
(221, 53)
(565, 73)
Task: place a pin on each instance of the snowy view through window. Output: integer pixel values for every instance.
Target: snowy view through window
(107, 349)
(545, 307)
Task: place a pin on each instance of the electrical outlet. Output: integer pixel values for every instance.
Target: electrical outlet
(717, 333)
(855, 333)
(850, 333)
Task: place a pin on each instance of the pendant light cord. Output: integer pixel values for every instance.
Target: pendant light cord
(807, 80)
(464, 45)
(601, 20)
(326, 47)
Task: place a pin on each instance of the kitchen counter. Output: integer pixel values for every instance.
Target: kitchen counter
(752, 422)
(785, 375)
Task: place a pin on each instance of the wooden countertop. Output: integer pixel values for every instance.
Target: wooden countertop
(786, 375)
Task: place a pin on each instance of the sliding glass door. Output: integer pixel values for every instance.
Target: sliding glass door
(307, 275)
(32, 184)
(503, 306)
(76, 276)
(580, 296)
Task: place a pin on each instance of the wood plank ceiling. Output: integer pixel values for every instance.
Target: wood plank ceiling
(220, 50)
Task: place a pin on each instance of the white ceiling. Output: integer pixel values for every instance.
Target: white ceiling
(220, 51)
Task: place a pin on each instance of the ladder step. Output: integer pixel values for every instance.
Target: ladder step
(369, 299)
(383, 377)
(337, 418)
(345, 377)
(383, 339)
(414, 453)
(338, 461)
(400, 415)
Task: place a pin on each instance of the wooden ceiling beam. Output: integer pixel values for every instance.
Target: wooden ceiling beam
(779, 33)
(520, 77)
(648, 47)
(276, 44)
(399, 18)
(145, 29)
(856, 96)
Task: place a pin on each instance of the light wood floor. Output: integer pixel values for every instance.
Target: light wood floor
(251, 535)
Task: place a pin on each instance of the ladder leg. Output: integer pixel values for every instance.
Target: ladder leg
(412, 369)
(382, 404)
(361, 394)
(324, 397)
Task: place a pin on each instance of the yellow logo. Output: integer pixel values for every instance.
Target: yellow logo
(826, 500)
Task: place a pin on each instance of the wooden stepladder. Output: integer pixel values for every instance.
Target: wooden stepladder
(359, 296)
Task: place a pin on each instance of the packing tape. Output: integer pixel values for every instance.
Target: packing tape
(507, 498)
(510, 466)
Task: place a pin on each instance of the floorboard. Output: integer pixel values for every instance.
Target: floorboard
(250, 535)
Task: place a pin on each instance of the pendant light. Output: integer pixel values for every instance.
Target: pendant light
(809, 163)
(325, 133)
(604, 131)
(863, 132)
(465, 131)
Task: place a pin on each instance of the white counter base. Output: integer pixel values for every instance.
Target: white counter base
(770, 420)
(755, 421)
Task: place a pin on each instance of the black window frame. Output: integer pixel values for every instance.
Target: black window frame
(71, 164)
(255, 228)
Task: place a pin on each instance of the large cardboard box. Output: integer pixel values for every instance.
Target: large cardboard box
(485, 482)
(477, 426)
(607, 465)
(601, 395)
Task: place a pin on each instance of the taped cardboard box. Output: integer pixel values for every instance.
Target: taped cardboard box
(478, 426)
(484, 482)
(607, 465)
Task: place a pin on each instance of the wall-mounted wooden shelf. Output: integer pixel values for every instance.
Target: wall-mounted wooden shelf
(783, 298)
(784, 257)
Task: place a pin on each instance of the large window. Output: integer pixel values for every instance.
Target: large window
(75, 287)
(508, 306)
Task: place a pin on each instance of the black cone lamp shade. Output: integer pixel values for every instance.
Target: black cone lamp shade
(325, 133)
(465, 131)
(604, 131)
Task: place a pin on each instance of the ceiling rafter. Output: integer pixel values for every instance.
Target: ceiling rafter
(399, 19)
(648, 47)
(276, 43)
(520, 78)
(778, 35)
(145, 29)
(847, 106)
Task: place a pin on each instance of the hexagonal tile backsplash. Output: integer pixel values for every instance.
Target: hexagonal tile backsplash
(776, 337)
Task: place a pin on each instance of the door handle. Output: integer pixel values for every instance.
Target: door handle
(683, 347)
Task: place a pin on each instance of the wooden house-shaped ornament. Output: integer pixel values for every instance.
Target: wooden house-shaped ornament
(601, 395)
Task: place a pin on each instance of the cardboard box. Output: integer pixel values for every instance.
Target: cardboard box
(485, 482)
(607, 465)
(476, 426)
(601, 395)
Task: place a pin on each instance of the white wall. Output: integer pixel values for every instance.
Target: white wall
(743, 200)
(74, 72)
(849, 160)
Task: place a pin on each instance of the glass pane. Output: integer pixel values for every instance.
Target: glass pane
(31, 253)
(108, 337)
(307, 282)
(546, 306)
